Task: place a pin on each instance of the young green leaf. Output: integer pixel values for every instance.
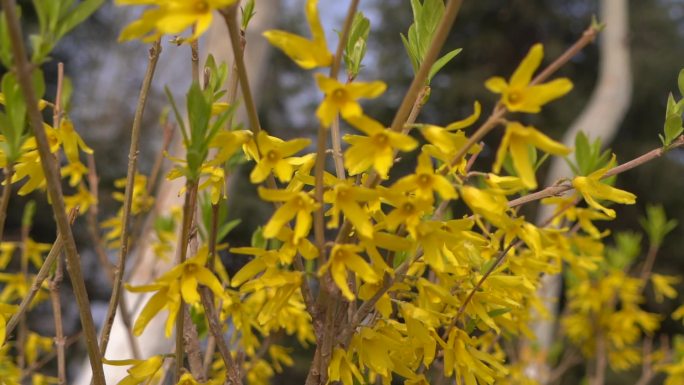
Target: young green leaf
(441, 62)
(680, 82)
(355, 48)
(656, 224)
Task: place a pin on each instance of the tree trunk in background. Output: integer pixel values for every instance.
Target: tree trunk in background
(174, 64)
(600, 118)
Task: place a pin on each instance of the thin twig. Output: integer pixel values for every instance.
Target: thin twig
(326, 338)
(233, 372)
(60, 341)
(56, 281)
(38, 280)
(230, 17)
(120, 267)
(189, 207)
(561, 188)
(4, 201)
(441, 34)
(50, 168)
(192, 348)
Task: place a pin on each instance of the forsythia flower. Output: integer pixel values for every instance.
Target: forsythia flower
(274, 157)
(306, 53)
(342, 369)
(376, 149)
(343, 257)
(592, 189)
(180, 282)
(171, 17)
(425, 182)
(517, 140)
(345, 197)
(662, 286)
(518, 95)
(141, 371)
(5, 312)
(297, 204)
(83, 199)
(71, 141)
(342, 98)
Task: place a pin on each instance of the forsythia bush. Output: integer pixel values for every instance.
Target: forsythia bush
(369, 270)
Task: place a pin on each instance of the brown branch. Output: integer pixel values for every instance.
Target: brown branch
(50, 168)
(38, 280)
(233, 372)
(4, 200)
(120, 267)
(418, 83)
(60, 340)
(192, 348)
(189, 207)
(230, 17)
(564, 187)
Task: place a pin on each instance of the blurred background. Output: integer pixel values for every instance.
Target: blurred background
(494, 35)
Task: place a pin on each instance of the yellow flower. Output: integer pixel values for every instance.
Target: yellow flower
(142, 201)
(29, 167)
(71, 141)
(518, 95)
(493, 207)
(6, 311)
(662, 286)
(35, 345)
(445, 144)
(187, 379)
(346, 257)
(425, 182)
(83, 199)
(141, 371)
(33, 251)
(306, 53)
(376, 149)
(297, 204)
(342, 98)
(345, 197)
(171, 17)
(409, 210)
(517, 140)
(264, 260)
(592, 189)
(227, 143)
(181, 281)
(74, 171)
(274, 157)
(342, 369)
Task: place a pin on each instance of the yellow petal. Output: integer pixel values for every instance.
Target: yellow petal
(467, 121)
(523, 74)
(496, 84)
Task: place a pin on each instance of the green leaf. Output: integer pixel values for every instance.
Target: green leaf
(355, 47)
(673, 128)
(5, 44)
(227, 228)
(680, 82)
(258, 239)
(179, 117)
(29, 213)
(627, 248)
(247, 14)
(656, 224)
(412, 55)
(76, 16)
(441, 62)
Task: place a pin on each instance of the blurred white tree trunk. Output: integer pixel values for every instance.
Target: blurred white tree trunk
(600, 118)
(175, 62)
